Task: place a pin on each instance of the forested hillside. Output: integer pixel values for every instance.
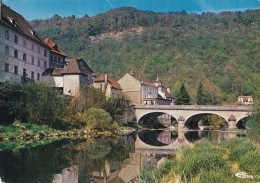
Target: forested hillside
(220, 50)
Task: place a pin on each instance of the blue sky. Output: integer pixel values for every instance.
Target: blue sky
(42, 9)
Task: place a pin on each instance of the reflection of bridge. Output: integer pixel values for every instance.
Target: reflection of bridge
(182, 113)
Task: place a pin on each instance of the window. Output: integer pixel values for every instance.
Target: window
(59, 59)
(33, 60)
(24, 57)
(39, 50)
(6, 35)
(6, 50)
(38, 76)
(45, 53)
(24, 43)
(55, 58)
(32, 46)
(39, 63)
(16, 69)
(32, 75)
(15, 38)
(51, 58)
(15, 53)
(24, 73)
(45, 64)
(6, 67)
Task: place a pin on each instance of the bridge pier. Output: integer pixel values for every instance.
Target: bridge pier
(232, 123)
(181, 122)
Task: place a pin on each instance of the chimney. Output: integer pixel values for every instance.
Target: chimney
(168, 90)
(105, 78)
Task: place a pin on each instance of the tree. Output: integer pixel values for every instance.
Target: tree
(185, 97)
(177, 93)
(204, 97)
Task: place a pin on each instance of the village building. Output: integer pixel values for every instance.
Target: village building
(71, 78)
(245, 100)
(57, 56)
(22, 52)
(109, 86)
(140, 91)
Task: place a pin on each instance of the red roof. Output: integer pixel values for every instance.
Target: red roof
(77, 66)
(54, 47)
(145, 82)
(110, 80)
(17, 22)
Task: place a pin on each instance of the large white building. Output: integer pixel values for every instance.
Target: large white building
(22, 52)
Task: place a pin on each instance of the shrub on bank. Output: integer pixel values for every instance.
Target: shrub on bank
(98, 119)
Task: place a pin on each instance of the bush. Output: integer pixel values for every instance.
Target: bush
(98, 119)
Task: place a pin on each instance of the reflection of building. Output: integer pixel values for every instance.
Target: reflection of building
(22, 52)
(245, 100)
(141, 91)
(68, 175)
(108, 85)
(70, 79)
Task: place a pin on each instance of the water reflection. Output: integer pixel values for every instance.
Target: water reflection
(114, 159)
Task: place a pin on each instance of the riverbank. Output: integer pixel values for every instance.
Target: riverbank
(25, 135)
(210, 162)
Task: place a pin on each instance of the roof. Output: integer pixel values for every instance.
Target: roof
(167, 94)
(110, 80)
(145, 82)
(18, 23)
(77, 66)
(245, 97)
(53, 72)
(231, 118)
(54, 48)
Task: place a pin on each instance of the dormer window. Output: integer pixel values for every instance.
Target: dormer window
(32, 31)
(11, 20)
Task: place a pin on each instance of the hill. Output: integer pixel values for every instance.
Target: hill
(221, 50)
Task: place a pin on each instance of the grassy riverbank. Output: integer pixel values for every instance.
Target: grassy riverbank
(209, 162)
(26, 135)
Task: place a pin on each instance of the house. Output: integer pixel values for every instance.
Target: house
(245, 100)
(22, 52)
(71, 78)
(57, 56)
(108, 85)
(140, 91)
(164, 94)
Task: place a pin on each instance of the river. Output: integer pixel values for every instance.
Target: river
(113, 159)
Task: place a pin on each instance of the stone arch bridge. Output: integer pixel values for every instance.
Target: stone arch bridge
(182, 113)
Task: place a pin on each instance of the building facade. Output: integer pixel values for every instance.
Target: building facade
(22, 52)
(57, 56)
(71, 78)
(109, 86)
(245, 100)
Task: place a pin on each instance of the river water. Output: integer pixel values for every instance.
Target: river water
(103, 159)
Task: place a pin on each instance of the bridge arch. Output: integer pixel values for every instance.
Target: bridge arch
(156, 119)
(192, 121)
(241, 123)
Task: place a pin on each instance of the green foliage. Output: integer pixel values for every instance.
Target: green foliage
(115, 107)
(181, 95)
(98, 119)
(204, 97)
(89, 97)
(33, 102)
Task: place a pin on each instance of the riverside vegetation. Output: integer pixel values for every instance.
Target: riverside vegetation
(45, 112)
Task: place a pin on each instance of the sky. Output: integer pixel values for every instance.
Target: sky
(43, 9)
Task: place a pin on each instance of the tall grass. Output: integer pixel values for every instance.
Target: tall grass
(209, 162)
